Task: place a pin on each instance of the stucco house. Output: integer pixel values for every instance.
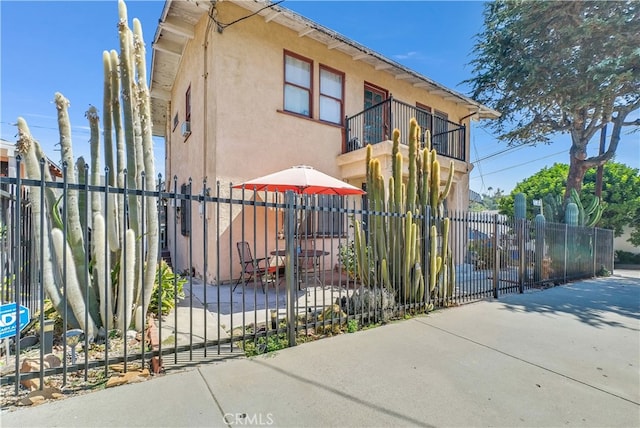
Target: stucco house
(244, 88)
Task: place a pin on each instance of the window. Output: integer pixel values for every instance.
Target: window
(187, 105)
(376, 120)
(185, 210)
(297, 84)
(330, 222)
(425, 119)
(331, 95)
(326, 221)
(175, 121)
(440, 133)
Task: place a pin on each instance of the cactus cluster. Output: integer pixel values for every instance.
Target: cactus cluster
(112, 287)
(395, 240)
(573, 212)
(587, 216)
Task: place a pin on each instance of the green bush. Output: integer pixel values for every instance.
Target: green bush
(170, 290)
(347, 258)
(264, 344)
(627, 258)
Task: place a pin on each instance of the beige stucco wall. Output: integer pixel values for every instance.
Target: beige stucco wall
(238, 130)
(621, 243)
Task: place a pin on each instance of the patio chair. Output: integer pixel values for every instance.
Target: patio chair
(253, 269)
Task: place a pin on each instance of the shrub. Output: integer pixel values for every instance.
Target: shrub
(169, 291)
(627, 258)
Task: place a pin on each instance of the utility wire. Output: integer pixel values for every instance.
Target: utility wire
(77, 129)
(222, 25)
(524, 163)
(508, 149)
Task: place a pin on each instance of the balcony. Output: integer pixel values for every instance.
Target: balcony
(376, 124)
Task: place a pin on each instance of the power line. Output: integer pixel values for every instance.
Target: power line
(524, 163)
(508, 149)
(76, 129)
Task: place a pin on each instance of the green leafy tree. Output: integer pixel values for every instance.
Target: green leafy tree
(560, 67)
(620, 194)
(489, 200)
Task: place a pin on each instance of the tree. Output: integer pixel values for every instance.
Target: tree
(620, 194)
(489, 200)
(560, 67)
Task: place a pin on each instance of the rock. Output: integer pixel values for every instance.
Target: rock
(132, 335)
(119, 367)
(37, 397)
(33, 365)
(365, 300)
(132, 376)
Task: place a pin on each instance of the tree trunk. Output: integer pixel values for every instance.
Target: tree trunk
(577, 169)
(577, 166)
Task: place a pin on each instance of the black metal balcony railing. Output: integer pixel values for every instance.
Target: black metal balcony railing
(375, 124)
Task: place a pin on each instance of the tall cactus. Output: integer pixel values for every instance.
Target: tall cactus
(396, 239)
(114, 253)
(520, 206)
(571, 214)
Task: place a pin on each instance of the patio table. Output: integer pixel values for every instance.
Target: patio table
(307, 255)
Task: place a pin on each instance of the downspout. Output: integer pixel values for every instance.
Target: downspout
(206, 92)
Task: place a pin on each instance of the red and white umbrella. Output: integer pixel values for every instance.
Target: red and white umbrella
(301, 179)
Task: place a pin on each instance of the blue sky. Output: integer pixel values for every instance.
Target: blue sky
(52, 46)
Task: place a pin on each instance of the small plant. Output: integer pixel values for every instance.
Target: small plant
(264, 344)
(352, 326)
(603, 271)
(347, 258)
(170, 290)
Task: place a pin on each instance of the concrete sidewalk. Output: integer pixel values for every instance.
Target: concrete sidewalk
(567, 356)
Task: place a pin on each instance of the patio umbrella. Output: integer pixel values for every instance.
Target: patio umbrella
(301, 179)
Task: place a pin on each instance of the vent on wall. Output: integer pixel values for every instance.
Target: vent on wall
(186, 129)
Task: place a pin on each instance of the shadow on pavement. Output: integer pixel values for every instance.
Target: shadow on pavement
(589, 301)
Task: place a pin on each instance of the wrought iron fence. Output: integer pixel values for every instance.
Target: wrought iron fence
(376, 124)
(298, 282)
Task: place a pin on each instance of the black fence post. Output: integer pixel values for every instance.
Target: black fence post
(290, 288)
(391, 127)
(496, 249)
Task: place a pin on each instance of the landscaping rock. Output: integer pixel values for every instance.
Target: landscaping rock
(132, 376)
(37, 397)
(378, 301)
(33, 365)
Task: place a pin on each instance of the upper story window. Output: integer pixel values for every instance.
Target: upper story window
(187, 105)
(424, 118)
(331, 95)
(297, 84)
(440, 130)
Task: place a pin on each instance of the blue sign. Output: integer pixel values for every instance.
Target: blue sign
(8, 319)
